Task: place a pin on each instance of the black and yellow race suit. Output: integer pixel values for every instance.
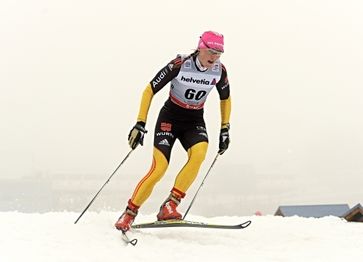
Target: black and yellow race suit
(181, 118)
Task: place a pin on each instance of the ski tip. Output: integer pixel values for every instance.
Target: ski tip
(246, 224)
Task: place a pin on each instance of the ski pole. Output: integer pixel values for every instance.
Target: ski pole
(93, 199)
(191, 203)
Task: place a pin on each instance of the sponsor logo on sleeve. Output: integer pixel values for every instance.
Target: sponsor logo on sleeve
(160, 77)
(225, 83)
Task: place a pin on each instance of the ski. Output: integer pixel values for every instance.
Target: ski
(186, 223)
(180, 223)
(127, 240)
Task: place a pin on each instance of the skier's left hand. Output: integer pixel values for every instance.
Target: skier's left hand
(223, 140)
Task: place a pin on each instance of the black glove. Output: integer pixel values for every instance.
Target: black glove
(223, 140)
(136, 135)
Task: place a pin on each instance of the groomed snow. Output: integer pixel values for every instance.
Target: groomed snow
(55, 237)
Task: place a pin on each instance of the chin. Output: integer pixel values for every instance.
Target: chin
(210, 64)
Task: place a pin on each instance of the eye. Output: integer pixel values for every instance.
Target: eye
(214, 52)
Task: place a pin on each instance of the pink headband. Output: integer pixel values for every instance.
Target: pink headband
(212, 40)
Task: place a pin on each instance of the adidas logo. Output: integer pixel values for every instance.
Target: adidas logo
(164, 142)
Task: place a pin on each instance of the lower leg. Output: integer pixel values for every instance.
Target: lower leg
(196, 156)
(143, 191)
(146, 185)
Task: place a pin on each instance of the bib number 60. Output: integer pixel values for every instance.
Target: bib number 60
(192, 94)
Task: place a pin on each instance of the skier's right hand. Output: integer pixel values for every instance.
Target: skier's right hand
(136, 135)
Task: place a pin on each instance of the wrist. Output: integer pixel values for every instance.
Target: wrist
(226, 126)
(141, 123)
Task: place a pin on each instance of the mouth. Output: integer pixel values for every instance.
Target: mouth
(210, 62)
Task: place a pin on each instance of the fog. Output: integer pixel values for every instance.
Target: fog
(72, 73)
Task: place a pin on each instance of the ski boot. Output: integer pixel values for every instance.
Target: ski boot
(168, 209)
(127, 218)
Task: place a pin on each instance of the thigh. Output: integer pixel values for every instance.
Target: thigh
(165, 134)
(193, 134)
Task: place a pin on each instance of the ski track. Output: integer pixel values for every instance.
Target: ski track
(55, 237)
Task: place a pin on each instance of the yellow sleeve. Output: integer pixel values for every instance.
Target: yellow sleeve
(147, 96)
(225, 112)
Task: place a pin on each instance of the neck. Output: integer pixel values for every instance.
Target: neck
(199, 65)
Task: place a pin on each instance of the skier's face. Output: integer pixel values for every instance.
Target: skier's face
(208, 57)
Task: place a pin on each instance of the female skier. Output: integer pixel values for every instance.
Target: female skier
(191, 79)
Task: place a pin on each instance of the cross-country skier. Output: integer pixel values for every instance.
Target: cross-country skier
(192, 77)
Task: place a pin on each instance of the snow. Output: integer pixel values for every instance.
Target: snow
(55, 237)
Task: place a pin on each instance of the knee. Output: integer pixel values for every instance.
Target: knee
(197, 153)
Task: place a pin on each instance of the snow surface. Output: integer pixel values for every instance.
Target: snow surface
(55, 237)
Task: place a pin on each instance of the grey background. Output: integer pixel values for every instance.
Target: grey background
(72, 73)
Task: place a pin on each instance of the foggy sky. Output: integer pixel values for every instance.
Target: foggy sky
(72, 73)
